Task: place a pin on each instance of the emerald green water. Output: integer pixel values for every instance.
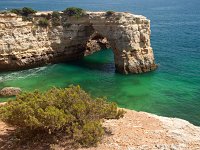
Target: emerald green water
(156, 92)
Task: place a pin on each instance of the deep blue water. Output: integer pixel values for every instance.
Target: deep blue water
(172, 90)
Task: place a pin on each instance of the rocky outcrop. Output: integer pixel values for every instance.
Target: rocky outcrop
(24, 44)
(9, 91)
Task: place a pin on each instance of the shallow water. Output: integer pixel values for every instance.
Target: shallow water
(172, 90)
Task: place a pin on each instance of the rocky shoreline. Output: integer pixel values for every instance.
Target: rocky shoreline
(136, 131)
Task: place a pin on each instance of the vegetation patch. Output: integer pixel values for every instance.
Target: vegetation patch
(109, 13)
(56, 21)
(28, 18)
(43, 22)
(16, 11)
(68, 113)
(74, 12)
(4, 12)
(47, 16)
(26, 11)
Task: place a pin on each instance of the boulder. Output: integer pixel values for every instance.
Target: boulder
(10, 91)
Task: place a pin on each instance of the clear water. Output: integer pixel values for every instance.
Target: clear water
(172, 90)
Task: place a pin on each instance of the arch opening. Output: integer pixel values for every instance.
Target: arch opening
(96, 43)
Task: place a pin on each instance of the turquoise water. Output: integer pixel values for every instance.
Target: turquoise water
(172, 90)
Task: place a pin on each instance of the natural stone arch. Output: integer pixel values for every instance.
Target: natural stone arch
(129, 38)
(112, 40)
(24, 44)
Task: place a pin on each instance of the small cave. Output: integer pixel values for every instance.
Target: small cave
(96, 43)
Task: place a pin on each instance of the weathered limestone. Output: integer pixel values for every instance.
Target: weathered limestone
(24, 44)
(96, 43)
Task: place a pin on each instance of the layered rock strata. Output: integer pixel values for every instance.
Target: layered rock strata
(25, 44)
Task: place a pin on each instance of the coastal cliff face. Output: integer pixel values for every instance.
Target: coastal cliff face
(25, 44)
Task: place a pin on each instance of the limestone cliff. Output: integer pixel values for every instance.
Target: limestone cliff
(25, 44)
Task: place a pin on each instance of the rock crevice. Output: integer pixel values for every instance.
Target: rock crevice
(24, 44)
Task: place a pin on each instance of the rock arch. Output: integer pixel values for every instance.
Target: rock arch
(129, 37)
(24, 44)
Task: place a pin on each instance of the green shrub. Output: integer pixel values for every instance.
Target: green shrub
(4, 12)
(109, 13)
(56, 14)
(47, 16)
(26, 11)
(56, 18)
(16, 11)
(70, 112)
(43, 22)
(27, 18)
(73, 11)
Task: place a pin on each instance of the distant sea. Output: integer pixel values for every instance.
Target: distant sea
(172, 90)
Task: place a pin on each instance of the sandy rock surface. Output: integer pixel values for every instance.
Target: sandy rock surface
(144, 131)
(141, 131)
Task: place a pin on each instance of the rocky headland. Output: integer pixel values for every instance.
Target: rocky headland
(26, 44)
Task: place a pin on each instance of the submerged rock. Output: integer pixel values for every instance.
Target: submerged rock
(10, 91)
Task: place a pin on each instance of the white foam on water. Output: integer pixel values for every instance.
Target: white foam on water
(1, 79)
(21, 74)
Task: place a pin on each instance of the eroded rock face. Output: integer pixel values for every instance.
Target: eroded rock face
(96, 43)
(24, 44)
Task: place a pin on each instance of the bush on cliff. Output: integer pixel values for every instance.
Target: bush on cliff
(16, 11)
(69, 112)
(109, 13)
(4, 12)
(24, 11)
(56, 18)
(28, 11)
(43, 22)
(73, 11)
